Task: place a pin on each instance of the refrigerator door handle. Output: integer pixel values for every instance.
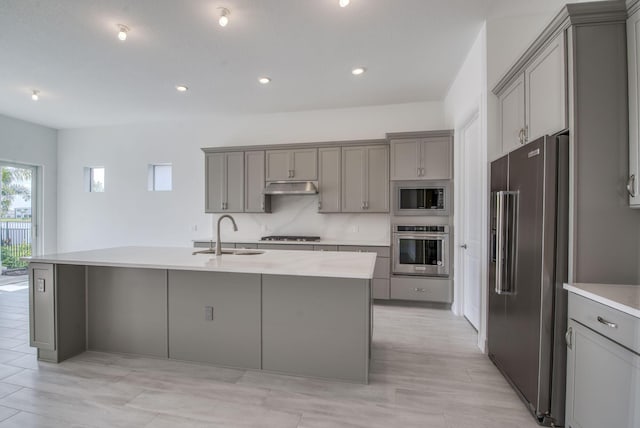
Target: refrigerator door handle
(500, 238)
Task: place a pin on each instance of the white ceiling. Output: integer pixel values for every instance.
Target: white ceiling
(68, 50)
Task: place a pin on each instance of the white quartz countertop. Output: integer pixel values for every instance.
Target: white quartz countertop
(320, 242)
(625, 298)
(273, 262)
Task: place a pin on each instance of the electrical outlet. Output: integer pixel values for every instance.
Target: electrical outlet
(194, 228)
(208, 313)
(355, 229)
(40, 285)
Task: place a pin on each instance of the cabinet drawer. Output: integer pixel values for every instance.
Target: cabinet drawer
(595, 316)
(382, 268)
(325, 248)
(428, 290)
(380, 288)
(244, 245)
(381, 251)
(207, 244)
(287, 247)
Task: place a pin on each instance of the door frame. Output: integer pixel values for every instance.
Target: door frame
(36, 203)
(479, 114)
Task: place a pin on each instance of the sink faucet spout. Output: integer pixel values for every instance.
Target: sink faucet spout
(218, 240)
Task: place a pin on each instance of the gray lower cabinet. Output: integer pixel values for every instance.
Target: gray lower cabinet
(255, 201)
(603, 376)
(224, 182)
(57, 303)
(214, 318)
(301, 316)
(365, 178)
(381, 271)
(329, 179)
(421, 289)
(127, 310)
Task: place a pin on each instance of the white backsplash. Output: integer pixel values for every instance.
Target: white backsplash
(298, 215)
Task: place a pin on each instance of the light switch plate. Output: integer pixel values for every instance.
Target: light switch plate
(40, 285)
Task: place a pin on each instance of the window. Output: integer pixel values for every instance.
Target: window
(159, 177)
(94, 179)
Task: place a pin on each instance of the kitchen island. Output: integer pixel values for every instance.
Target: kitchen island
(296, 312)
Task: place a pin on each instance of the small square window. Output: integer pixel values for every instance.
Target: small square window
(94, 179)
(159, 177)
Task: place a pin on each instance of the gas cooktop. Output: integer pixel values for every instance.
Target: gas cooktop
(291, 238)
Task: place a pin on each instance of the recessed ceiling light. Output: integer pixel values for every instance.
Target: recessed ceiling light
(182, 88)
(264, 80)
(344, 3)
(224, 16)
(122, 32)
(35, 95)
(358, 71)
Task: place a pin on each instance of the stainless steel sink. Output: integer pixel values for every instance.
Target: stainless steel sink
(238, 252)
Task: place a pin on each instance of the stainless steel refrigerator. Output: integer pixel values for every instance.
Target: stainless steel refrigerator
(527, 268)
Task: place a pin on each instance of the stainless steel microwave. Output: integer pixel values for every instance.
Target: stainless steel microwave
(421, 198)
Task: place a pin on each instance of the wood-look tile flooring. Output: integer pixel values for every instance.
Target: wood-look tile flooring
(426, 372)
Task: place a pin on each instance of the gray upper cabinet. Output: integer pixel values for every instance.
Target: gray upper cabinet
(254, 200)
(535, 102)
(545, 96)
(421, 158)
(329, 179)
(295, 165)
(512, 116)
(224, 182)
(633, 47)
(365, 179)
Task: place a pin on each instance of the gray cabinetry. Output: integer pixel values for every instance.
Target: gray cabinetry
(294, 164)
(633, 47)
(254, 199)
(603, 377)
(42, 326)
(381, 272)
(224, 182)
(329, 179)
(534, 103)
(365, 179)
(229, 334)
(421, 158)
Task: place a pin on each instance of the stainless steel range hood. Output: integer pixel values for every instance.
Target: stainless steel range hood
(290, 188)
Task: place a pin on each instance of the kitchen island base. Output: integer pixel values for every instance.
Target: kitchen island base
(308, 326)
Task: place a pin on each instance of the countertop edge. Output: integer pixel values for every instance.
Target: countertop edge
(604, 300)
(321, 242)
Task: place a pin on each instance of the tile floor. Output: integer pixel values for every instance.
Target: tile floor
(426, 372)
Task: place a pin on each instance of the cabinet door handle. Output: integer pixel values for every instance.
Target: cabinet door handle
(420, 290)
(521, 135)
(526, 133)
(262, 205)
(319, 205)
(631, 185)
(419, 172)
(567, 337)
(607, 323)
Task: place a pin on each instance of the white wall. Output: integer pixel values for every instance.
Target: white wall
(128, 214)
(30, 144)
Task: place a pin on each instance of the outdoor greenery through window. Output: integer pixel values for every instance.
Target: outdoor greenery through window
(15, 218)
(94, 179)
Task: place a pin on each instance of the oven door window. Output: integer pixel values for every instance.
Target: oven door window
(420, 252)
(422, 199)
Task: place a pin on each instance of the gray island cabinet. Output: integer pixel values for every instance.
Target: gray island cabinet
(305, 313)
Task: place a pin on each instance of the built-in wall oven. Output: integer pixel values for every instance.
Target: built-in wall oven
(421, 250)
(420, 198)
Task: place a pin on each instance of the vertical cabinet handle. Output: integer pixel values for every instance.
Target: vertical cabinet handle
(568, 337)
(319, 205)
(631, 185)
(521, 136)
(526, 133)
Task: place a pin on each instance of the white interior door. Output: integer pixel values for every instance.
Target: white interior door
(471, 238)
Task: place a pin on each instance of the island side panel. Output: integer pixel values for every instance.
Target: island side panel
(316, 326)
(127, 310)
(229, 335)
(71, 309)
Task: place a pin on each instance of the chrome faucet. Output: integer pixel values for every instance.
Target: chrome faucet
(218, 240)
